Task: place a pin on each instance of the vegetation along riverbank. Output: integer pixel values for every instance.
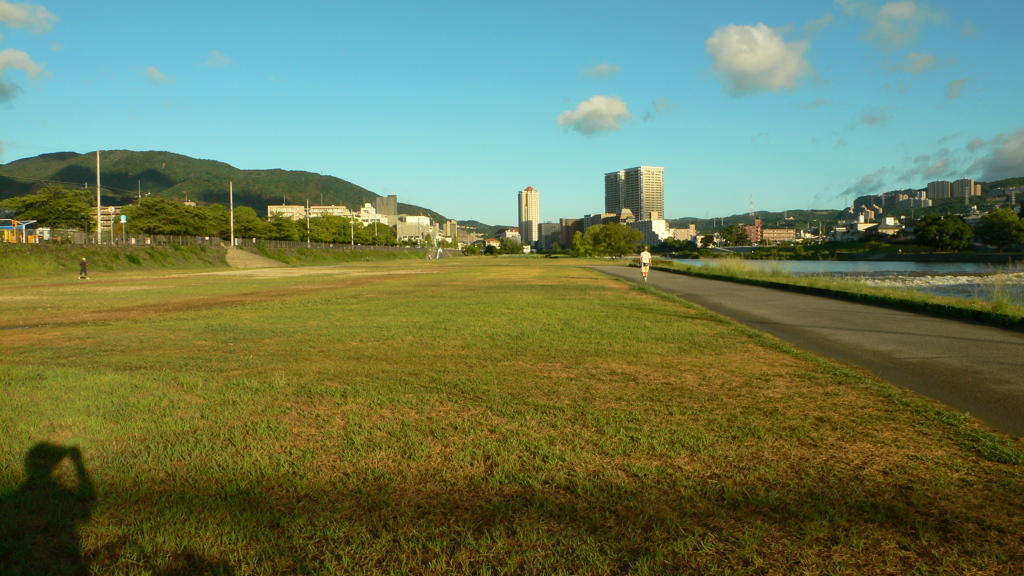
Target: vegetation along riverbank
(1004, 309)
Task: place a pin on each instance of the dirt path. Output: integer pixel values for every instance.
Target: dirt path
(238, 258)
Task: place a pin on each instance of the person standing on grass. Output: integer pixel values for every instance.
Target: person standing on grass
(645, 263)
(83, 270)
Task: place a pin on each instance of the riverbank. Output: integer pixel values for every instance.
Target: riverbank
(1002, 310)
(854, 251)
(937, 257)
(28, 260)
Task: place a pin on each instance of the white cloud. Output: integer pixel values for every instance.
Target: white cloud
(24, 15)
(975, 144)
(753, 58)
(868, 184)
(819, 24)
(929, 167)
(157, 77)
(897, 24)
(11, 58)
(217, 59)
(598, 114)
(955, 88)
(603, 70)
(1004, 157)
(851, 6)
(660, 107)
(918, 63)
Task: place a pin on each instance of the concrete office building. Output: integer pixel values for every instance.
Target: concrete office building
(529, 216)
(387, 205)
(641, 189)
(415, 228)
(570, 226)
(550, 234)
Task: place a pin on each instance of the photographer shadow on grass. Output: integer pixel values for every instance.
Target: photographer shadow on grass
(40, 522)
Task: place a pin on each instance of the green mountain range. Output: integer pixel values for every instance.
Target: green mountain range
(125, 175)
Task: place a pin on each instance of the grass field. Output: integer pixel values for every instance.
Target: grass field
(465, 416)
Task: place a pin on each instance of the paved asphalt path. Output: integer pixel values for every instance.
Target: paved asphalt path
(972, 368)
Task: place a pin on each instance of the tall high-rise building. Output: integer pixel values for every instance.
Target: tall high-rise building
(613, 191)
(641, 189)
(965, 187)
(387, 205)
(940, 189)
(529, 215)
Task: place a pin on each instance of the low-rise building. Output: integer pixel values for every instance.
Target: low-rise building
(776, 235)
(654, 231)
(688, 234)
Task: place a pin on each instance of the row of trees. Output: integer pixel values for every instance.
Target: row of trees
(62, 208)
(1002, 228)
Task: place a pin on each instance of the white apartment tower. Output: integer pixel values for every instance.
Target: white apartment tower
(529, 216)
(965, 187)
(641, 189)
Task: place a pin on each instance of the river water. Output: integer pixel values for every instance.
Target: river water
(960, 279)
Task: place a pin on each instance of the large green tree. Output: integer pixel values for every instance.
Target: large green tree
(248, 224)
(154, 215)
(280, 227)
(375, 234)
(510, 246)
(607, 240)
(54, 207)
(944, 233)
(736, 235)
(675, 245)
(1000, 227)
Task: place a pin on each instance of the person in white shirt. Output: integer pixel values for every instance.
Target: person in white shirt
(645, 263)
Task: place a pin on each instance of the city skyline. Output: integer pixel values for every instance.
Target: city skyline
(803, 105)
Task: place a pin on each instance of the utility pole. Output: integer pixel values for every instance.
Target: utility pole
(307, 222)
(99, 209)
(231, 203)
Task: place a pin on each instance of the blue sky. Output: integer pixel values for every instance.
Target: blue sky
(459, 105)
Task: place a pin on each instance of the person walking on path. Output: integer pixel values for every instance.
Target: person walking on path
(645, 263)
(83, 270)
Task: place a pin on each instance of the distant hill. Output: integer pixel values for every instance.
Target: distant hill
(485, 230)
(126, 173)
(788, 219)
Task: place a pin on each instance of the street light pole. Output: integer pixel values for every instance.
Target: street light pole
(231, 203)
(99, 209)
